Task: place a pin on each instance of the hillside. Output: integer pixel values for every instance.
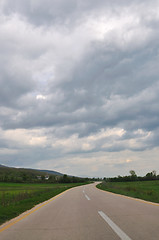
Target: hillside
(2, 166)
(11, 174)
(51, 172)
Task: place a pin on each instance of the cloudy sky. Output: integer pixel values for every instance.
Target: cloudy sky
(79, 86)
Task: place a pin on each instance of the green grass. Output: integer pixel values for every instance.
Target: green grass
(16, 198)
(146, 190)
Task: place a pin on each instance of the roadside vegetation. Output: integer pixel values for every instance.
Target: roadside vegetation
(21, 188)
(16, 198)
(146, 190)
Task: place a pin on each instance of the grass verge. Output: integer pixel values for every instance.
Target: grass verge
(146, 190)
(16, 198)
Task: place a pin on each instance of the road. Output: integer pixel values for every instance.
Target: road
(86, 213)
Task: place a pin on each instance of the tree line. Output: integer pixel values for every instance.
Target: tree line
(133, 177)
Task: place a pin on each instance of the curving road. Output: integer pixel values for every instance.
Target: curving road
(86, 213)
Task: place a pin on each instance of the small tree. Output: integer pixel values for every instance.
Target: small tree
(133, 175)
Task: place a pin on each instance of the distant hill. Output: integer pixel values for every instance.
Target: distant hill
(2, 166)
(24, 174)
(51, 172)
(30, 169)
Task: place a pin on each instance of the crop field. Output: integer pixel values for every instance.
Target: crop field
(16, 198)
(146, 190)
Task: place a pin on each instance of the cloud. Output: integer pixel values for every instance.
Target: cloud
(40, 97)
(78, 79)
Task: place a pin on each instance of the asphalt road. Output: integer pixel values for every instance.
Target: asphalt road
(86, 213)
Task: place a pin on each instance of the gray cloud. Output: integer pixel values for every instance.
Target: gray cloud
(73, 11)
(78, 79)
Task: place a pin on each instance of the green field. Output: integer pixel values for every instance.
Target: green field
(146, 190)
(16, 198)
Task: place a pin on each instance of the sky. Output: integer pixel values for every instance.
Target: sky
(79, 86)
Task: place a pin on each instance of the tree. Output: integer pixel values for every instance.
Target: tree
(133, 175)
(132, 172)
(151, 175)
(154, 173)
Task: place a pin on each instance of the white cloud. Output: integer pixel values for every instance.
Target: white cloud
(25, 138)
(39, 96)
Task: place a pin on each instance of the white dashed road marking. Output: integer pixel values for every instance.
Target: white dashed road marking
(87, 197)
(115, 228)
